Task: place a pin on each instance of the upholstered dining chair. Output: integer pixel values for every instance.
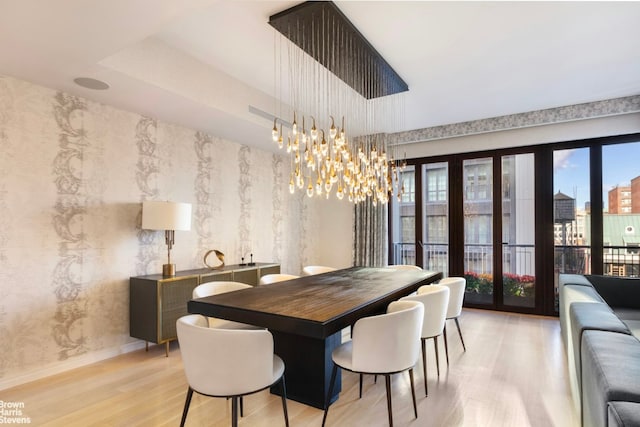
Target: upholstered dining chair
(383, 345)
(457, 286)
(221, 287)
(228, 363)
(435, 299)
(404, 267)
(268, 279)
(310, 270)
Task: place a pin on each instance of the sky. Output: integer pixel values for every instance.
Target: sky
(620, 164)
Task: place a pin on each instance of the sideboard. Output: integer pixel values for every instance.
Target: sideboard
(157, 301)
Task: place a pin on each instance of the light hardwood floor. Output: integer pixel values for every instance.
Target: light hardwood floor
(512, 374)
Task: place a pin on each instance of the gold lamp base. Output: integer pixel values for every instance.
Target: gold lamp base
(168, 270)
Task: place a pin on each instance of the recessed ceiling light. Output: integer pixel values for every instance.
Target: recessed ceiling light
(90, 83)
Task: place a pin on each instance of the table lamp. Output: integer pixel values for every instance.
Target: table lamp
(167, 216)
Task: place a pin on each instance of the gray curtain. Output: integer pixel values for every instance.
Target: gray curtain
(370, 239)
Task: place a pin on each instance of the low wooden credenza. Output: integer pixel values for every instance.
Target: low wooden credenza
(156, 301)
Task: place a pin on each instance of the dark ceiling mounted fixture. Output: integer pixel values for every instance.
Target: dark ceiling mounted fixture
(344, 50)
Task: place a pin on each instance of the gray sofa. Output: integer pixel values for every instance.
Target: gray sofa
(600, 324)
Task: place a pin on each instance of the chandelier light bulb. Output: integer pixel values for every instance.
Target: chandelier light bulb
(274, 131)
(310, 189)
(332, 130)
(294, 126)
(314, 130)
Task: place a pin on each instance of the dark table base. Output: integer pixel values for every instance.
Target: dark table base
(308, 367)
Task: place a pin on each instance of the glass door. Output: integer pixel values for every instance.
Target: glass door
(403, 229)
(477, 200)
(518, 230)
(435, 228)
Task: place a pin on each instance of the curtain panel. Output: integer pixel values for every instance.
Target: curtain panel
(370, 239)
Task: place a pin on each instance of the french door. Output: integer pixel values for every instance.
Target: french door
(472, 217)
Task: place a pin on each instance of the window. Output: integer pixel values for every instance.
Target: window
(408, 186)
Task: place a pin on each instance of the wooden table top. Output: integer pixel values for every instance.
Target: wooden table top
(315, 306)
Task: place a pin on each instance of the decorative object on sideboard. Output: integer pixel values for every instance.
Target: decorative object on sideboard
(219, 255)
(250, 263)
(167, 216)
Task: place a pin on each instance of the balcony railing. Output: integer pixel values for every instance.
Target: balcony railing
(478, 258)
(621, 261)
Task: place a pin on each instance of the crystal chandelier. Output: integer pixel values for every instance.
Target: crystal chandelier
(343, 98)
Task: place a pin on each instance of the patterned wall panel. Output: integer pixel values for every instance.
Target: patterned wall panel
(244, 192)
(146, 169)
(68, 218)
(67, 254)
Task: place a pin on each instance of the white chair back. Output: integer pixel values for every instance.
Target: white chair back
(310, 270)
(436, 300)
(226, 362)
(215, 288)
(404, 267)
(388, 342)
(456, 287)
(273, 278)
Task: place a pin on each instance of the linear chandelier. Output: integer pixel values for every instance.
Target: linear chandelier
(343, 100)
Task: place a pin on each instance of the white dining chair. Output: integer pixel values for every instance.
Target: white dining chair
(311, 270)
(228, 363)
(457, 286)
(217, 287)
(273, 278)
(404, 267)
(435, 299)
(220, 287)
(383, 345)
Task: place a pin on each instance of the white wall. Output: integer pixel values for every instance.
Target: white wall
(335, 248)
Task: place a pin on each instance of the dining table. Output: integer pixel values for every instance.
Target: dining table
(306, 316)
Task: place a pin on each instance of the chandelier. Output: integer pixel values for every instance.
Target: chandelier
(343, 99)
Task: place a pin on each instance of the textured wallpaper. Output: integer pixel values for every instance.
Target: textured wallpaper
(73, 174)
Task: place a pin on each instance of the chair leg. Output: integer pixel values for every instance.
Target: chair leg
(234, 411)
(284, 401)
(187, 402)
(334, 372)
(460, 333)
(446, 346)
(387, 378)
(241, 407)
(424, 365)
(435, 346)
(413, 393)
(360, 386)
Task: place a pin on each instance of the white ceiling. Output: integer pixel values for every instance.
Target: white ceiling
(202, 63)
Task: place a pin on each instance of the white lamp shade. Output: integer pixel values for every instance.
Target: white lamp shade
(157, 215)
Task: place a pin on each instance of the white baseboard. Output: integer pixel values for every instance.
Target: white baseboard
(67, 365)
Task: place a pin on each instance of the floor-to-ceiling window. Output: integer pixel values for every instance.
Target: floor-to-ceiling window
(511, 220)
(621, 212)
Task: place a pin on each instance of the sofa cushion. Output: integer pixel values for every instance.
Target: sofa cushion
(610, 373)
(586, 316)
(624, 414)
(570, 293)
(617, 291)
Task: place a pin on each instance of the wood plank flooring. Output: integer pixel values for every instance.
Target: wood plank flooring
(512, 374)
